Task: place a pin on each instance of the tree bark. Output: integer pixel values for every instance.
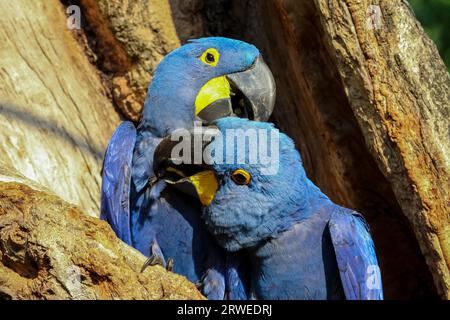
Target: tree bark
(55, 115)
(49, 249)
(399, 91)
(130, 38)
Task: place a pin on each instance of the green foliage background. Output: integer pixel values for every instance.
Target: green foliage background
(434, 16)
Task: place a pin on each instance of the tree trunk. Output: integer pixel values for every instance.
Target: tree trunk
(55, 116)
(130, 38)
(399, 91)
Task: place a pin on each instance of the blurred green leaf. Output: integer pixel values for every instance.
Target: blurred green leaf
(434, 15)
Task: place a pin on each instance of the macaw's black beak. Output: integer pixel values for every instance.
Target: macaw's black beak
(254, 92)
(252, 95)
(178, 160)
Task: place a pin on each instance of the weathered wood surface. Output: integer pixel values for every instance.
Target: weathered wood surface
(49, 249)
(55, 117)
(399, 91)
(131, 38)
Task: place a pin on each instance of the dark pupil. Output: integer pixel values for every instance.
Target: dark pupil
(210, 57)
(239, 178)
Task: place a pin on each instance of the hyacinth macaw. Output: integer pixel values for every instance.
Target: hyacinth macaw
(203, 80)
(300, 244)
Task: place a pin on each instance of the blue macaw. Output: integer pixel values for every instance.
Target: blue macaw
(203, 80)
(300, 244)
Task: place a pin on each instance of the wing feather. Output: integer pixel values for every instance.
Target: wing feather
(116, 177)
(355, 254)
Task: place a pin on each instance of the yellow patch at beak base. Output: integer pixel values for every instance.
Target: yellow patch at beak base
(206, 185)
(215, 89)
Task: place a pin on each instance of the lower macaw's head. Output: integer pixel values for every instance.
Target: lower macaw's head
(207, 79)
(251, 180)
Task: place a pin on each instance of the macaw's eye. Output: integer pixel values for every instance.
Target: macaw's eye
(241, 177)
(210, 57)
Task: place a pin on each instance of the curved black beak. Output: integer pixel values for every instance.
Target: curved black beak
(178, 160)
(253, 94)
(182, 150)
(258, 88)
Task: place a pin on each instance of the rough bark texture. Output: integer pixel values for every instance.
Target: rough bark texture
(399, 91)
(55, 117)
(49, 249)
(130, 38)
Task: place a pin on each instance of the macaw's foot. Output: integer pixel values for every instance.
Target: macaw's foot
(156, 257)
(199, 285)
(152, 181)
(169, 266)
(153, 260)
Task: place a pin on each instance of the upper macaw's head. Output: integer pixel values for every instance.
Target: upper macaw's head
(207, 79)
(250, 180)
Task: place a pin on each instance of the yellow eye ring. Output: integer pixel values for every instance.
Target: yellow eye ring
(210, 57)
(241, 177)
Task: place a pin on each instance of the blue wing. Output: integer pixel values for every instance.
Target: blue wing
(355, 255)
(116, 177)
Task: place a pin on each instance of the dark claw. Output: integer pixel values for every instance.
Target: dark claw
(199, 285)
(152, 181)
(169, 266)
(153, 261)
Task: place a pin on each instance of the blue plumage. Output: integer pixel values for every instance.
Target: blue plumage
(152, 217)
(115, 204)
(355, 254)
(301, 245)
